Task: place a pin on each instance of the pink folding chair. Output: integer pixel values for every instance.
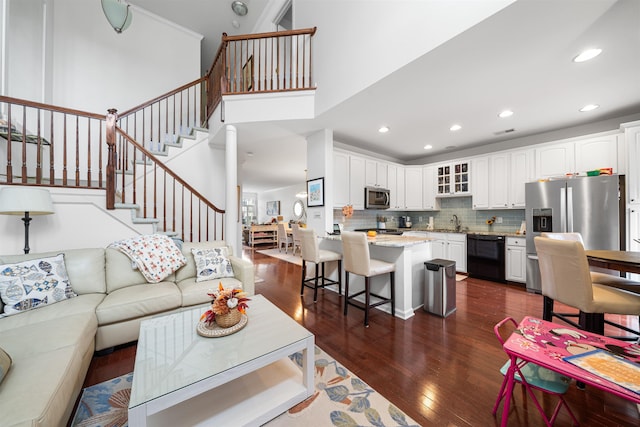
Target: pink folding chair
(536, 377)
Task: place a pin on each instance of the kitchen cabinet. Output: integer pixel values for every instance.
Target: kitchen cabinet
(480, 182)
(376, 174)
(632, 139)
(520, 172)
(499, 181)
(555, 160)
(356, 182)
(395, 181)
(429, 200)
(451, 246)
(340, 179)
(453, 179)
(596, 153)
(516, 259)
(413, 188)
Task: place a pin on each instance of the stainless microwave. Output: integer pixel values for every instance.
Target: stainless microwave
(376, 198)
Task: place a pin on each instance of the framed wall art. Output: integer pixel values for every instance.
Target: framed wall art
(315, 192)
(273, 208)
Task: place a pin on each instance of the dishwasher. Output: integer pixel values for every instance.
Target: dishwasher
(486, 257)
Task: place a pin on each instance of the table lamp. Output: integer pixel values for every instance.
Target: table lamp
(20, 200)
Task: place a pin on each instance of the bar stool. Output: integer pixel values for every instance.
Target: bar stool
(310, 252)
(355, 248)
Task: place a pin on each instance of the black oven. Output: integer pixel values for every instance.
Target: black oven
(485, 257)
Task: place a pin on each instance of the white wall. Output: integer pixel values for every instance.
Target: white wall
(401, 31)
(80, 221)
(286, 196)
(95, 69)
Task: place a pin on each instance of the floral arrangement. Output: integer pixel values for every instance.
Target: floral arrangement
(347, 211)
(225, 300)
(491, 220)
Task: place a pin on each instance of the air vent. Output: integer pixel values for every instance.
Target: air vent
(502, 132)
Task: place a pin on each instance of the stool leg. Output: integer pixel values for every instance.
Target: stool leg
(315, 287)
(340, 277)
(304, 274)
(346, 292)
(547, 309)
(367, 298)
(393, 294)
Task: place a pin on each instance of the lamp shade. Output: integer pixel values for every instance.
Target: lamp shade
(118, 14)
(18, 200)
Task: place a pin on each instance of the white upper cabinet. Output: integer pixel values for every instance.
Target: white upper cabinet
(597, 153)
(340, 179)
(429, 201)
(555, 160)
(356, 182)
(520, 172)
(632, 138)
(395, 184)
(413, 188)
(480, 182)
(376, 174)
(453, 179)
(499, 181)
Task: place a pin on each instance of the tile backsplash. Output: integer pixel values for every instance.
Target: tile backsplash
(472, 220)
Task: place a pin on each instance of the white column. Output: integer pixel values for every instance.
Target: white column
(231, 226)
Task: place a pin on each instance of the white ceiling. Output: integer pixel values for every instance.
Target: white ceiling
(518, 59)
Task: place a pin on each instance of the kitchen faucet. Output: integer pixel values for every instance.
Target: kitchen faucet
(456, 222)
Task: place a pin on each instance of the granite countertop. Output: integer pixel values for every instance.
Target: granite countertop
(446, 230)
(393, 241)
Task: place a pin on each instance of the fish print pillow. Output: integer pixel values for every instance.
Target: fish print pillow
(212, 263)
(35, 283)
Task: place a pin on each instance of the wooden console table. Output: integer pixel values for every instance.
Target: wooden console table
(263, 234)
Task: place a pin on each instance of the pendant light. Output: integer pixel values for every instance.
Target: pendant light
(118, 14)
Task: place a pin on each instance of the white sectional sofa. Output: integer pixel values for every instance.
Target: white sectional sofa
(51, 346)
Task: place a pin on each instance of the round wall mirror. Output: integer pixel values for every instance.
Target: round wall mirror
(298, 210)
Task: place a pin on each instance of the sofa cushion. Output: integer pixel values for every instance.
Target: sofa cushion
(155, 255)
(85, 267)
(120, 274)
(194, 292)
(138, 301)
(189, 269)
(35, 283)
(211, 263)
(5, 364)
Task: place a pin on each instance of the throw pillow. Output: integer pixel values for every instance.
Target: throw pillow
(35, 283)
(212, 263)
(5, 364)
(156, 255)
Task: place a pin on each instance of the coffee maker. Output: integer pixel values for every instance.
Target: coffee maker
(404, 222)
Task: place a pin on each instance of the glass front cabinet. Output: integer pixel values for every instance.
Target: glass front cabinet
(453, 179)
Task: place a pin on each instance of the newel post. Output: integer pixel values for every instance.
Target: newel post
(112, 116)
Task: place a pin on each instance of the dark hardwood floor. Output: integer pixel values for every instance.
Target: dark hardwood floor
(438, 371)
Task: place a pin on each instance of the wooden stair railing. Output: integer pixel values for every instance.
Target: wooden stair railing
(158, 192)
(51, 145)
(277, 61)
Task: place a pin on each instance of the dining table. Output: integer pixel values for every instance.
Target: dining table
(623, 261)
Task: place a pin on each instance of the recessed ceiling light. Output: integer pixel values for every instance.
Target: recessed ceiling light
(455, 128)
(505, 113)
(589, 107)
(587, 55)
(428, 147)
(383, 129)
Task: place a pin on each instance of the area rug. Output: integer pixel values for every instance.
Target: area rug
(288, 257)
(340, 399)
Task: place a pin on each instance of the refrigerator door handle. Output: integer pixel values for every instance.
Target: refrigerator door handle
(563, 210)
(570, 209)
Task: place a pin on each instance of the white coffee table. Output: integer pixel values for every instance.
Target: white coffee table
(246, 378)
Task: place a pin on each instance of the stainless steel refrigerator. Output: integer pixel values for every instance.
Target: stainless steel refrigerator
(592, 206)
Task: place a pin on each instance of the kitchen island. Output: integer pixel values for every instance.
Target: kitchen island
(408, 253)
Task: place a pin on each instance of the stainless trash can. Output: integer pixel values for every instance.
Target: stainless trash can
(440, 287)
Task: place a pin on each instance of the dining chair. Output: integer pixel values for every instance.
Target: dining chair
(283, 238)
(596, 277)
(296, 238)
(355, 251)
(311, 252)
(566, 277)
(536, 377)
